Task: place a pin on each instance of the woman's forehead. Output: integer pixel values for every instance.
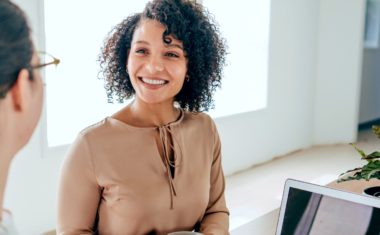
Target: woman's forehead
(151, 32)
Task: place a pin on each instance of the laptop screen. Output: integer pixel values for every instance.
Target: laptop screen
(316, 214)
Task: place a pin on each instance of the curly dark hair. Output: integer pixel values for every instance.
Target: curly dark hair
(185, 20)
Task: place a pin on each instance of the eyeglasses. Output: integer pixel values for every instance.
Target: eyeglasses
(51, 60)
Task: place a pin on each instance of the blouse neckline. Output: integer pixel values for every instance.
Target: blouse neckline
(163, 129)
(179, 120)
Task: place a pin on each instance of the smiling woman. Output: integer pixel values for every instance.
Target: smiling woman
(190, 39)
(152, 168)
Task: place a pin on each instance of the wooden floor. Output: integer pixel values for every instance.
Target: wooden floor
(255, 192)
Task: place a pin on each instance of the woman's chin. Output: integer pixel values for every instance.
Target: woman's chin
(156, 97)
(152, 100)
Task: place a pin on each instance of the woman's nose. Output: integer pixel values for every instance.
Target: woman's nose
(155, 64)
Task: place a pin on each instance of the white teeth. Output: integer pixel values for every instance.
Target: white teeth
(153, 82)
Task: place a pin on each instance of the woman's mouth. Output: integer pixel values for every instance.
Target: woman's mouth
(151, 83)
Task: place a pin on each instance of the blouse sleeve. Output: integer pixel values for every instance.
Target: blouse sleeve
(216, 218)
(78, 191)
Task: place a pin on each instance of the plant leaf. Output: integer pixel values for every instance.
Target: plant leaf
(358, 176)
(359, 168)
(373, 155)
(370, 168)
(349, 178)
(376, 129)
(375, 176)
(360, 151)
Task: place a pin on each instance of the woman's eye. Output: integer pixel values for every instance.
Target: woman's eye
(172, 55)
(141, 51)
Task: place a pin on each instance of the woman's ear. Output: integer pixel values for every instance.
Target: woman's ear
(21, 91)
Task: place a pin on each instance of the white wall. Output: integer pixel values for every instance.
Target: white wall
(314, 83)
(286, 124)
(340, 49)
(370, 95)
(296, 60)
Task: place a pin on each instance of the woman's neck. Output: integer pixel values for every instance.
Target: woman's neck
(6, 156)
(142, 114)
(10, 144)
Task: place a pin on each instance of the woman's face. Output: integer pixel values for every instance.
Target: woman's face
(157, 70)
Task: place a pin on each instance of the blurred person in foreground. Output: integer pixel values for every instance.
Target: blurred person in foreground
(153, 167)
(21, 94)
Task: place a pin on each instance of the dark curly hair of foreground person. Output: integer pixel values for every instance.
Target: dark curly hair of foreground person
(204, 47)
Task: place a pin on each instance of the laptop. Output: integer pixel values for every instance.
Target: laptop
(317, 210)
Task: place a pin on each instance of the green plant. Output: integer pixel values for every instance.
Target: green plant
(369, 171)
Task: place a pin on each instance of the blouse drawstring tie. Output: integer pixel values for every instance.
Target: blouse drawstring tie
(164, 141)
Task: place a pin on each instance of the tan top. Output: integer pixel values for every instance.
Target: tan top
(115, 170)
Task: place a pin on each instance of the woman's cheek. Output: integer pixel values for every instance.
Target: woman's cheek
(178, 71)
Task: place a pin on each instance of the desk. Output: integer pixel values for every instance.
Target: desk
(266, 224)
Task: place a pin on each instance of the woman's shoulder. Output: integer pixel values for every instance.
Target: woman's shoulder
(105, 128)
(99, 136)
(96, 127)
(201, 120)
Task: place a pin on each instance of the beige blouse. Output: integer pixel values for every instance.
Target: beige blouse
(113, 179)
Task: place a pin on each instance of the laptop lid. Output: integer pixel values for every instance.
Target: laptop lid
(313, 209)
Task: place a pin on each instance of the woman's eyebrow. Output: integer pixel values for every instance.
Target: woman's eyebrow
(173, 45)
(142, 42)
(166, 45)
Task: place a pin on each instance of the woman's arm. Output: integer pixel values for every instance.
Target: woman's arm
(216, 220)
(78, 191)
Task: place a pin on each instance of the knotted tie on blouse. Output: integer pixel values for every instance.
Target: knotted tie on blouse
(164, 141)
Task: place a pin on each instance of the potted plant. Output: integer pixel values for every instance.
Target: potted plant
(369, 171)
